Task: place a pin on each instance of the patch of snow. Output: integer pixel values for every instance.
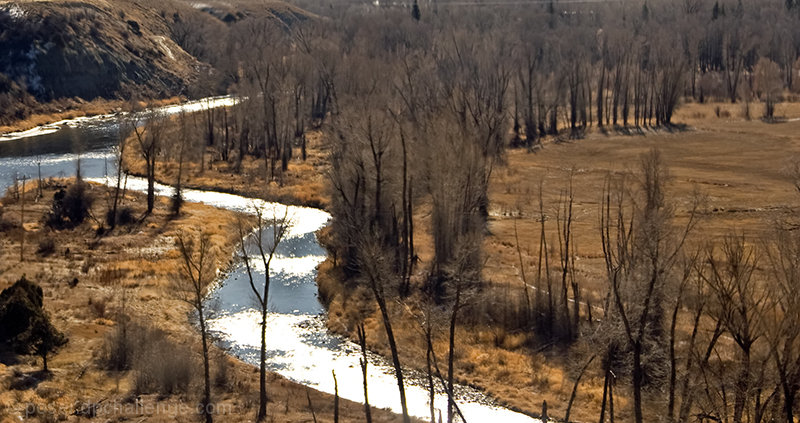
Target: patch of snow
(160, 40)
(13, 10)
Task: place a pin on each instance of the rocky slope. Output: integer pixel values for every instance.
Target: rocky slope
(113, 49)
(90, 49)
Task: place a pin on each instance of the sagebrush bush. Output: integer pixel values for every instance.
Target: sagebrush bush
(162, 367)
(47, 246)
(159, 365)
(99, 306)
(119, 347)
(124, 216)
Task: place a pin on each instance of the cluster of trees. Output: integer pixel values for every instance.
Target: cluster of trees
(551, 69)
(711, 324)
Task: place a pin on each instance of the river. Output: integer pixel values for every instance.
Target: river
(299, 346)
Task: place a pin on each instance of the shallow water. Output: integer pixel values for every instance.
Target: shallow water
(58, 146)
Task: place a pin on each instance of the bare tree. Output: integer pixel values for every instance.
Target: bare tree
(119, 164)
(149, 130)
(769, 84)
(197, 272)
(640, 250)
(378, 276)
(277, 225)
(784, 318)
(740, 306)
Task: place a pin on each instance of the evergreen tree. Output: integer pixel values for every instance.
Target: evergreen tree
(715, 11)
(415, 11)
(24, 325)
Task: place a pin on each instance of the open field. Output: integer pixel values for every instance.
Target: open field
(740, 168)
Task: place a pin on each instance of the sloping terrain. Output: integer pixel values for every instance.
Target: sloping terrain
(111, 49)
(90, 49)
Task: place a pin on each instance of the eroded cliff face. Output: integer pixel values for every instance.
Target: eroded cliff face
(89, 49)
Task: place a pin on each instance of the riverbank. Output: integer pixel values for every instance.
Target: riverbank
(87, 278)
(64, 109)
(304, 183)
(482, 362)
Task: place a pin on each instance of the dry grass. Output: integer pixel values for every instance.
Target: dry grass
(304, 183)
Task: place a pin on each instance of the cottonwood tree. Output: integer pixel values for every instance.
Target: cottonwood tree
(379, 278)
(272, 227)
(741, 303)
(196, 273)
(783, 319)
(640, 248)
(119, 164)
(768, 84)
(149, 129)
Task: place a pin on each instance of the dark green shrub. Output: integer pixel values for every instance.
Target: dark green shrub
(24, 325)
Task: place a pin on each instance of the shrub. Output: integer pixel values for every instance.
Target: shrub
(70, 207)
(98, 306)
(119, 347)
(46, 247)
(222, 372)
(176, 201)
(124, 216)
(159, 365)
(24, 325)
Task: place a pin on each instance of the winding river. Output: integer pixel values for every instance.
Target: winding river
(299, 346)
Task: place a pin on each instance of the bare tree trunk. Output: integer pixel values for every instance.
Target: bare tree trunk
(206, 402)
(22, 234)
(262, 374)
(451, 351)
(605, 398)
(335, 398)
(673, 362)
(362, 341)
(377, 291)
(575, 388)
